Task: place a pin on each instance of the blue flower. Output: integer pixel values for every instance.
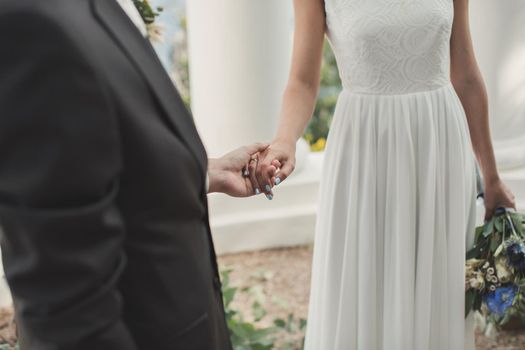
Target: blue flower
(501, 299)
(516, 255)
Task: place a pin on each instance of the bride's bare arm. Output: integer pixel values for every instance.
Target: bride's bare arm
(468, 83)
(301, 91)
(303, 83)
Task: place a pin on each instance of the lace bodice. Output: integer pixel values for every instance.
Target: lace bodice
(391, 46)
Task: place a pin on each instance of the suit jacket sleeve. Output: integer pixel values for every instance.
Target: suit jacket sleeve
(62, 241)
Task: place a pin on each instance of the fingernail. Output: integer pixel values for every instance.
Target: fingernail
(257, 191)
(277, 181)
(268, 188)
(269, 196)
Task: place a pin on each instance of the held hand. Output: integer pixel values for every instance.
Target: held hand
(497, 195)
(280, 155)
(229, 174)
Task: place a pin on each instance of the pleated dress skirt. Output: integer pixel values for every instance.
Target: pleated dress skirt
(397, 203)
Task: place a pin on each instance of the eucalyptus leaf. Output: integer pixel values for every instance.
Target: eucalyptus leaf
(478, 233)
(518, 223)
(478, 300)
(495, 242)
(498, 223)
(488, 228)
(469, 301)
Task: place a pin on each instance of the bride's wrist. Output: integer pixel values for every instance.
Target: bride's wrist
(492, 179)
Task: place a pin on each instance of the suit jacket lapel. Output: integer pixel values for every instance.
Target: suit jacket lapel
(144, 58)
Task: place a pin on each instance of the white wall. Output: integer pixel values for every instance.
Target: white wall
(498, 31)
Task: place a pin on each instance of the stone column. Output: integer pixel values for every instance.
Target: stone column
(239, 53)
(239, 63)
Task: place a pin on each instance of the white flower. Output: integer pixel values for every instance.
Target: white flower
(155, 33)
(474, 263)
(475, 280)
(503, 271)
(477, 283)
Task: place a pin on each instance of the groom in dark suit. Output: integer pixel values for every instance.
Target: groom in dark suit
(106, 241)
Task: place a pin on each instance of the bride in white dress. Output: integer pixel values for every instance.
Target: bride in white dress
(398, 192)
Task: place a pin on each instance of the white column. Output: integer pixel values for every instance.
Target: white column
(499, 38)
(239, 63)
(239, 52)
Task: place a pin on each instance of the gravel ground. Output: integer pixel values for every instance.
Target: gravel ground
(284, 275)
(7, 327)
(280, 280)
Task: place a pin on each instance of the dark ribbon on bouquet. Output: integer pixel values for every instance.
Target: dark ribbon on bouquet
(479, 183)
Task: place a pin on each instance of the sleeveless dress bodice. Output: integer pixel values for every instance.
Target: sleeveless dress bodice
(391, 46)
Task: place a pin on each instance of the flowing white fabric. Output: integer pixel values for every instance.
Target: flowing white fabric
(398, 194)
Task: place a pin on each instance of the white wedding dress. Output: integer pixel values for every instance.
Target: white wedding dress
(398, 191)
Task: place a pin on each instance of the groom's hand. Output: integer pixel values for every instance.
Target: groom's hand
(231, 175)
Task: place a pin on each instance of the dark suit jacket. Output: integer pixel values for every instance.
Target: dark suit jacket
(106, 240)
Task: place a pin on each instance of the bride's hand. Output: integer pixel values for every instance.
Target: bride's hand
(234, 173)
(497, 195)
(280, 155)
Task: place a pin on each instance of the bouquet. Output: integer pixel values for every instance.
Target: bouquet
(495, 268)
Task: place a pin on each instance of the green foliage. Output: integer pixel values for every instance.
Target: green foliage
(179, 61)
(147, 12)
(9, 347)
(249, 335)
(330, 86)
(488, 268)
(325, 107)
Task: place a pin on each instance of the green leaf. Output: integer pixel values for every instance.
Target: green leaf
(279, 323)
(291, 328)
(287, 346)
(228, 295)
(478, 300)
(302, 324)
(249, 336)
(498, 223)
(517, 221)
(258, 311)
(489, 228)
(478, 250)
(469, 301)
(478, 233)
(495, 242)
(505, 319)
